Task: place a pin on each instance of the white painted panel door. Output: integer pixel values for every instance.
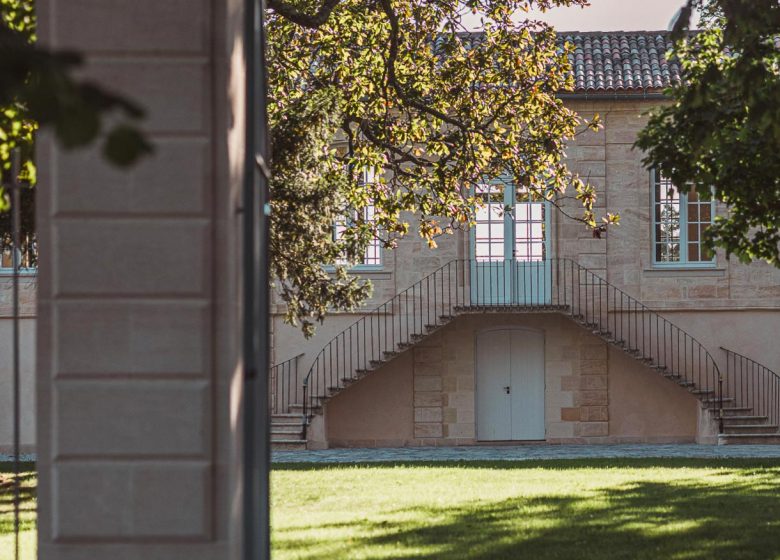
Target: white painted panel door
(527, 384)
(494, 399)
(510, 385)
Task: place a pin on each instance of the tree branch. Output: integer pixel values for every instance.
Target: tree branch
(392, 78)
(293, 14)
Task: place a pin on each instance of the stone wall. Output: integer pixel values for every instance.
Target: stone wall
(593, 393)
(28, 313)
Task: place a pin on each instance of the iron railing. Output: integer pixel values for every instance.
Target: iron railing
(463, 286)
(285, 384)
(752, 386)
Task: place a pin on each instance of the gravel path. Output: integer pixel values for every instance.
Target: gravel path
(526, 453)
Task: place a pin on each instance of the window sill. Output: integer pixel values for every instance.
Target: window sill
(683, 272)
(26, 273)
(373, 273)
(366, 271)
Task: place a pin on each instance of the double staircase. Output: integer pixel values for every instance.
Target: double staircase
(745, 399)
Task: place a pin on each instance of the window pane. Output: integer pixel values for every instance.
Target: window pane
(693, 233)
(667, 252)
(693, 252)
(667, 221)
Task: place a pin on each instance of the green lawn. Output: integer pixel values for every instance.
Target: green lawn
(572, 510)
(27, 508)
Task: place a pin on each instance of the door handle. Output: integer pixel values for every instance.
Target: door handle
(507, 390)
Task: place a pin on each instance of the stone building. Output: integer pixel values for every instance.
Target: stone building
(529, 328)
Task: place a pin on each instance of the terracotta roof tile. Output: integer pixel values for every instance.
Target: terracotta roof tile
(621, 61)
(617, 61)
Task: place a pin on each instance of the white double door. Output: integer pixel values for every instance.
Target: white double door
(510, 248)
(510, 385)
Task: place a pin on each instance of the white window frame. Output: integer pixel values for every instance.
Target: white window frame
(683, 262)
(375, 246)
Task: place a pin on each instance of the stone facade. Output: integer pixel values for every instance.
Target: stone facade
(588, 391)
(592, 390)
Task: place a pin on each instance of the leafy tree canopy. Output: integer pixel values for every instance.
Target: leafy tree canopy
(37, 89)
(399, 87)
(721, 133)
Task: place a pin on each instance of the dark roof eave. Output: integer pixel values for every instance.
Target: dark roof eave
(615, 95)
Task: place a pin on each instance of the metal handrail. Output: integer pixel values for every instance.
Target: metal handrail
(752, 386)
(560, 285)
(284, 384)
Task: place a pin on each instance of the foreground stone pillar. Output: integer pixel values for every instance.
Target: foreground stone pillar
(138, 376)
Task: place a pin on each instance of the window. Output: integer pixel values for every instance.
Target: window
(373, 253)
(679, 222)
(530, 227)
(489, 231)
(510, 213)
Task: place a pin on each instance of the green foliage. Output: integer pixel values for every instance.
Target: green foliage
(397, 87)
(722, 130)
(37, 89)
(16, 128)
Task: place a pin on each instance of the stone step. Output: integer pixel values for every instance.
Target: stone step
(749, 439)
(743, 420)
(750, 429)
(287, 420)
(286, 436)
(288, 445)
(287, 428)
(316, 409)
(704, 393)
(714, 403)
(737, 411)
(281, 416)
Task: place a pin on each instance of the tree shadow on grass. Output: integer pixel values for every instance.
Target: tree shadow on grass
(682, 520)
(27, 496)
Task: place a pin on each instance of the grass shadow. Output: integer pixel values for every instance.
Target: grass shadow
(690, 518)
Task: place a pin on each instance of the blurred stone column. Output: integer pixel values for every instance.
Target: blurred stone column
(138, 375)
